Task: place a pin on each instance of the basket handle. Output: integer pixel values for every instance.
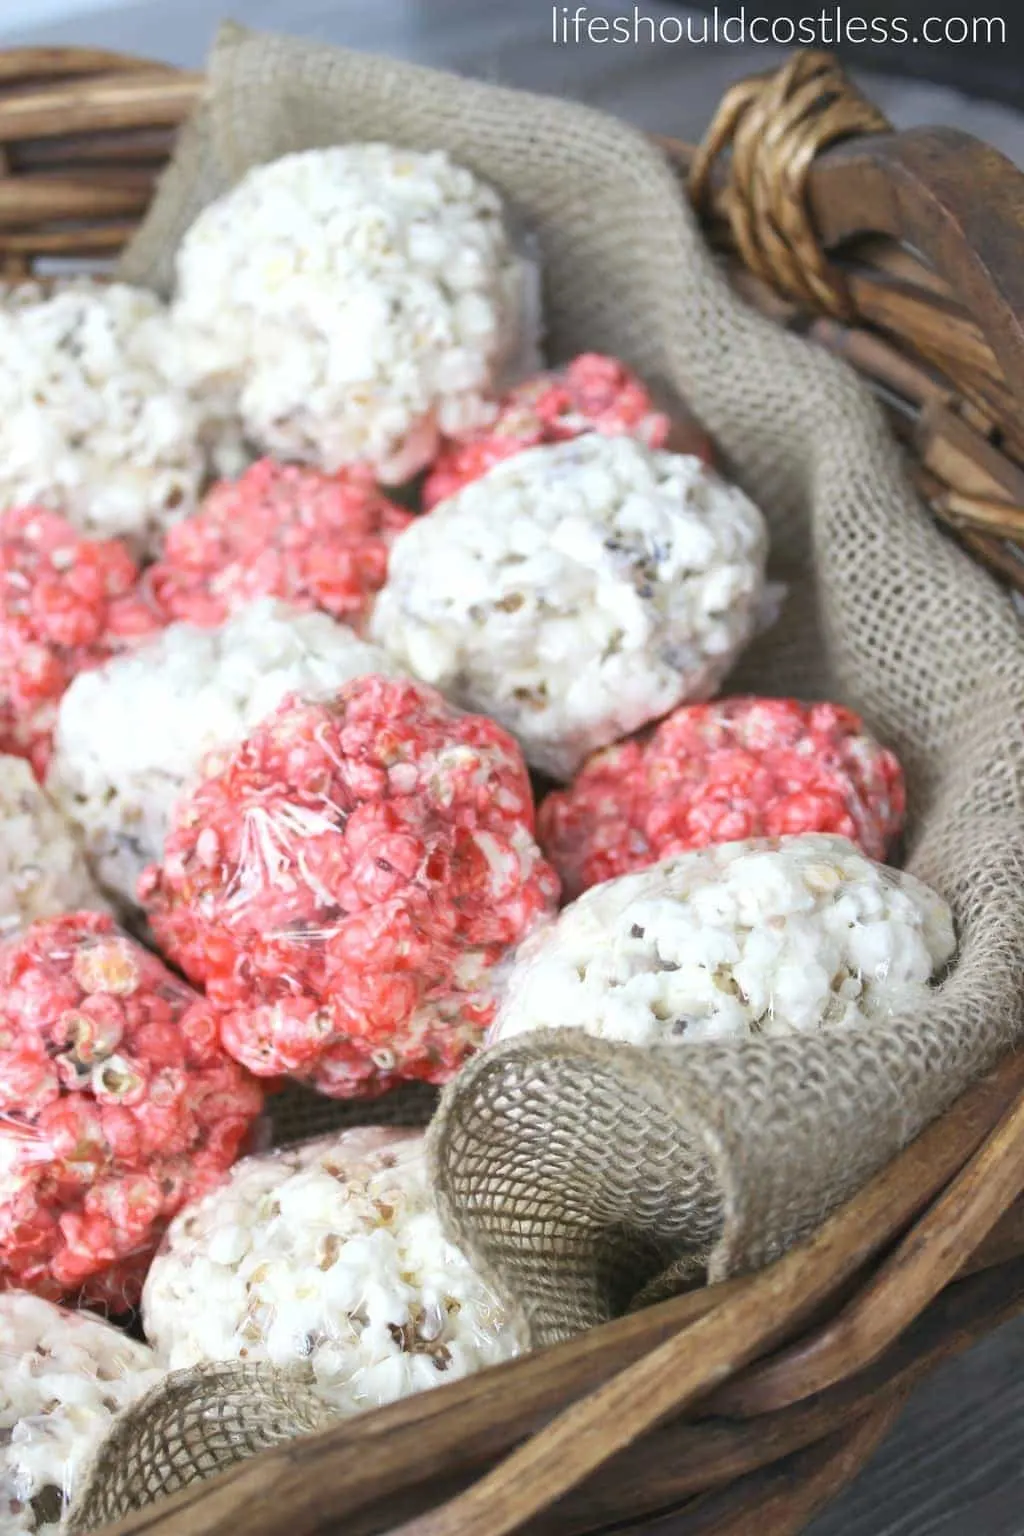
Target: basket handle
(957, 201)
(813, 164)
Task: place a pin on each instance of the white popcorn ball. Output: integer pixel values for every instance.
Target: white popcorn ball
(63, 1378)
(766, 937)
(576, 591)
(42, 864)
(353, 303)
(330, 1252)
(92, 423)
(131, 735)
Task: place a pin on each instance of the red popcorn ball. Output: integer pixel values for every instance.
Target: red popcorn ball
(67, 603)
(718, 773)
(280, 530)
(118, 1105)
(592, 394)
(347, 883)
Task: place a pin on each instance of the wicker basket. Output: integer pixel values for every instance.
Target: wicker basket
(754, 1401)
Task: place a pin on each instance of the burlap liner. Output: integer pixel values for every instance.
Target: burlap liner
(191, 1425)
(577, 1174)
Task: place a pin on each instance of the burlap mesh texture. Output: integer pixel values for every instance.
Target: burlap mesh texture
(192, 1424)
(575, 1172)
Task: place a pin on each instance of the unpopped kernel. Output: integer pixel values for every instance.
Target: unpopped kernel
(117, 1105)
(765, 937)
(189, 694)
(64, 1377)
(718, 773)
(354, 303)
(577, 591)
(346, 884)
(328, 1254)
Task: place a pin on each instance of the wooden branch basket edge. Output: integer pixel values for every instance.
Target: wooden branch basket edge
(765, 1393)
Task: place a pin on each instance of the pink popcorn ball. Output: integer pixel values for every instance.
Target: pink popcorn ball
(346, 885)
(67, 603)
(280, 530)
(593, 393)
(118, 1105)
(723, 772)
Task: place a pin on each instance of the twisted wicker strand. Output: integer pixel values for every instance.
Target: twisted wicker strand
(775, 126)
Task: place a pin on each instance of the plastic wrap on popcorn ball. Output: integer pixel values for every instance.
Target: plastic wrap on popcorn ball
(280, 530)
(329, 1254)
(118, 1105)
(42, 863)
(64, 1377)
(763, 937)
(577, 591)
(349, 884)
(717, 773)
(92, 421)
(355, 303)
(67, 603)
(593, 393)
(189, 693)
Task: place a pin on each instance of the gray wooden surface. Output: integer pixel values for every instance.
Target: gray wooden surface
(955, 1464)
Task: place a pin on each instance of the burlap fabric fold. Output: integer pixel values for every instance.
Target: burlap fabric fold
(189, 1426)
(574, 1172)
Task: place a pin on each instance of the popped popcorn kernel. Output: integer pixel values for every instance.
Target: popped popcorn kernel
(346, 884)
(576, 591)
(767, 936)
(329, 1253)
(117, 1105)
(108, 965)
(718, 773)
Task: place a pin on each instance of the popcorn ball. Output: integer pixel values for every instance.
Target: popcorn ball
(318, 541)
(717, 773)
(42, 868)
(576, 591)
(92, 423)
(189, 693)
(66, 604)
(117, 1105)
(64, 1377)
(328, 1254)
(347, 883)
(354, 303)
(765, 937)
(592, 394)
